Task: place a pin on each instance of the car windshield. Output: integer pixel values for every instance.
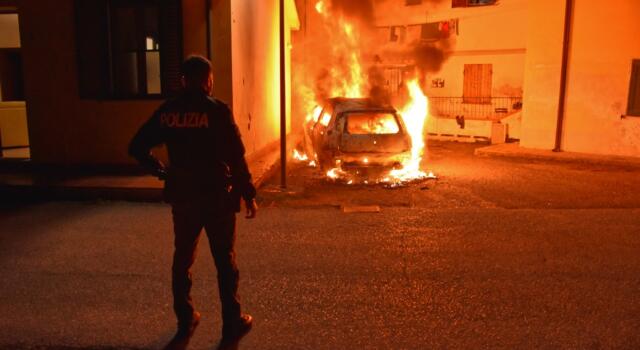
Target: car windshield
(377, 123)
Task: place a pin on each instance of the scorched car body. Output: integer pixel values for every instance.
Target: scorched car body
(357, 133)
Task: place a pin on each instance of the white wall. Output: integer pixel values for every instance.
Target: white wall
(599, 76)
(542, 73)
(495, 34)
(604, 42)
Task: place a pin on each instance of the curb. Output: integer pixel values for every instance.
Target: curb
(514, 151)
(25, 186)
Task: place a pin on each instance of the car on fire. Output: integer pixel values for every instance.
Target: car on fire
(357, 133)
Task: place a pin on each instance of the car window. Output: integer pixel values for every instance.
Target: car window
(376, 123)
(325, 118)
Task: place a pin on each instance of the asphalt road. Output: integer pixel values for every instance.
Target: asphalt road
(494, 254)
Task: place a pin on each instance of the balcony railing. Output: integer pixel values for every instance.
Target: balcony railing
(479, 108)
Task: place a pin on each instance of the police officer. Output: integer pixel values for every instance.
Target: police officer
(204, 182)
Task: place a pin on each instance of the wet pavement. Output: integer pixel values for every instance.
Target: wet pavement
(496, 253)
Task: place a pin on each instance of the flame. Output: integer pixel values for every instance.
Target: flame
(326, 118)
(348, 79)
(321, 8)
(414, 115)
(335, 173)
(314, 115)
(302, 157)
(299, 156)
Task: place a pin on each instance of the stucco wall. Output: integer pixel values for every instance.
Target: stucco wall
(495, 34)
(256, 69)
(599, 75)
(599, 72)
(507, 79)
(542, 73)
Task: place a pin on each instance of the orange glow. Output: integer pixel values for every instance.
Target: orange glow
(372, 123)
(414, 115)
(320, 7)
(349, 79)
(299, 156)
(326, 118)
(350, 83)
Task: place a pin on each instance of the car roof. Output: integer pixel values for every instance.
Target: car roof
(343, 104)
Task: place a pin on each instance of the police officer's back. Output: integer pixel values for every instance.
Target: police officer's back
(204, 182)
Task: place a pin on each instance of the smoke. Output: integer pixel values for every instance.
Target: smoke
(428, 56)
(361, 10)
(325, 52)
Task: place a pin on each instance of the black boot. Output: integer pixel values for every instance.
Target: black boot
(184, 333)
(233, 332)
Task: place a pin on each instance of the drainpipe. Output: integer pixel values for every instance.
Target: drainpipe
(283, 102)
(566, 45)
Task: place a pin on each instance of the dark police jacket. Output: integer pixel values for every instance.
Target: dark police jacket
(206, 153)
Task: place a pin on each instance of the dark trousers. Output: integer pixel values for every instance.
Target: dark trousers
(220, 226)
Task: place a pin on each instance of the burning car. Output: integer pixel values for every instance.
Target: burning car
(356, 134)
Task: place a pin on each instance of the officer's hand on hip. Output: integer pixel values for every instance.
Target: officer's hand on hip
(252, 209)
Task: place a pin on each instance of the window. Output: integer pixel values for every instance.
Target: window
(128, 49)
(372, 123)
(471, 3)
(397, 34)
(477, 83)
(135, 48)
(435, 31)
(633, 107)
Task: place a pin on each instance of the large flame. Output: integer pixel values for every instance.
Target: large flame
(349, 80)
(414, 115)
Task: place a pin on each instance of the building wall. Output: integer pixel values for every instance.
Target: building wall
(542, 73)
(599, 72)
(256, 68)
(494, 34)
(63, 128)
(599, 76)
(68, 130)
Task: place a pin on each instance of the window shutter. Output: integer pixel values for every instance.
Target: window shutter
(171, 46)
(477, 83)
(91, 47)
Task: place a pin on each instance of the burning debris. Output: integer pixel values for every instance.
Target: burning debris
(355, 131)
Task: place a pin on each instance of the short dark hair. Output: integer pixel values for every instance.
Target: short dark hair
(195, 70)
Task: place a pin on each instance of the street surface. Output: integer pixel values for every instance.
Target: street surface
(495, 254)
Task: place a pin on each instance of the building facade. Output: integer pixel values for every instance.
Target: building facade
(94, 71)
(602, 102)
(514, 48)
(474, 59)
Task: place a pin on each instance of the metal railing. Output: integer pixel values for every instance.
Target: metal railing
(483, 108)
